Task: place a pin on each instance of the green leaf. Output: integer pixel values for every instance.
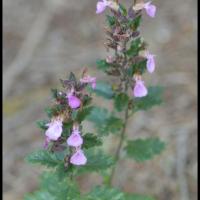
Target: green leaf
(42, 124)
(153, 98)
(121, 101)
(98, 115)
(139, 67)
(134, 24)
(105, 193)
(52, 188)
(138, 197)
(91, 140)
(43, 157)
(111, 20)
(96, 161)
(144, 149)
(123, 10)
(103, 89)
(82, 114)
(134, 47)
(72, 77)
(104, 122)
(102, 65)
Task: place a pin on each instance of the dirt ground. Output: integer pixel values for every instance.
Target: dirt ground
(44, 40)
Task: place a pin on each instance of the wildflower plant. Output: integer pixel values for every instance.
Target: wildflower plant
(69, 149)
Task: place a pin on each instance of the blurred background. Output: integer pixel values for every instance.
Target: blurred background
(43, 40)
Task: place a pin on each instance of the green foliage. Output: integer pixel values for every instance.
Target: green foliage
(81, 114)
(134, 24)
(144, 149)
(153, 98)
(102, 65)
(139, 67)
(42, 124)
(122, 10)
(134, 47)
(103, 89)
(43, 157)
(121, 101)
(91, 140)
(96, 161)
(52, 188)
(105, 122)
(104, 193)
(111, 20)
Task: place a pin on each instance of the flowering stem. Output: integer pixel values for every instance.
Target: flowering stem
(122, 136)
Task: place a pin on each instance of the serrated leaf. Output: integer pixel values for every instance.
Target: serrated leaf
(103, 89)
(111, 20)
(138, 197)
(43, 157)
(96, 161)
(123, 10)
(139, 67)
(134, 47)
(102, 65)
(82, 114)
(42, 124)
(121, 101)
(153, 98)
(105, 123)
(91, 140)
(135, 23)
(105, 193)
(144, 149)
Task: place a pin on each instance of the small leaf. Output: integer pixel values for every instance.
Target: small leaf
(102, 65)
(42, 124)
(121, 101)
(144, 149)
(139, 67)
(134, 47)
(135, 23)
(72, 77)
(96, 161)
(43, 157)
(91, 140)
(111, 20)
(138, 197)
(103, 89)
(105, 193)
(82, 114)
(123, 10)
(153, 98)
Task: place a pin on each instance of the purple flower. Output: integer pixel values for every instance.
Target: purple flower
(150, 62)
(54, 130)
(89, 79)
(75, 139)
(139, 89)
(101, 6)
(78, 158)
(73, 101)
(150, 9)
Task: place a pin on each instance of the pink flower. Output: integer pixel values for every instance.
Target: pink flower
(78, 158)
(54, 130)
(101, 6)
(150, 9)
(75, 139)
(150, 62)
(89, 79)
(139, 89)
(73, 101)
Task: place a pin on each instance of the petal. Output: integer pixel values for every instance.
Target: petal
(139, 89)
(150, 10)
(75, 140)
(151, 64)
(101, 6)
(54, 131)
(78, 158)
(74, 102)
